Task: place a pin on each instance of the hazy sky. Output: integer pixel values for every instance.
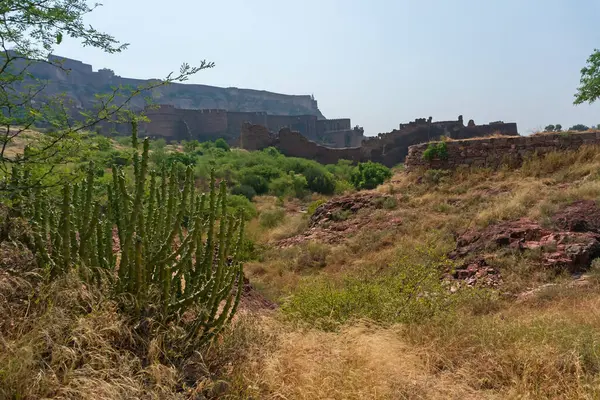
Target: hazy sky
(380, 62)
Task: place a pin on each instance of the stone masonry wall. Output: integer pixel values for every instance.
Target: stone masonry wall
(293, 144)
(498, 151)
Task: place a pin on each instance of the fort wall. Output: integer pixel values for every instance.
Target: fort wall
(389, 148)
(498, 151)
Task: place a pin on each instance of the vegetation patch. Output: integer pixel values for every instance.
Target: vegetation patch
(436, 151)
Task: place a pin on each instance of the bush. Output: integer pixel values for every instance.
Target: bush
(119, 158)
(220, 143)
(579, 128)
(410, 293)
(182, 158)
(433, 151)
(257, 182)
(103, 143)
(158, 144)
(292, 184)
(314, 205)
(343, 186)
(272, 151)
(244, 190)
(190, 146)
(271, 218)
(369, 175)
(320, 181)
(239, 202)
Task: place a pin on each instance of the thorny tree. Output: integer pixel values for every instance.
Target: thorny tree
(29, 32)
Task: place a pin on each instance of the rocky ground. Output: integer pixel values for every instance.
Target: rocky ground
(344, 216)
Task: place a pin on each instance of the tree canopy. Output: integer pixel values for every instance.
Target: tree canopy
(30, 30)
(589, 89)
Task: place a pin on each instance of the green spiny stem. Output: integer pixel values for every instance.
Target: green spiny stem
(65, 231)
(85, 227)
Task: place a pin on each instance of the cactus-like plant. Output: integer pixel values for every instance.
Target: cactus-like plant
(177, 249)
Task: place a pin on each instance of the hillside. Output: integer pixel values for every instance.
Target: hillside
(80, 83)
(465, 284)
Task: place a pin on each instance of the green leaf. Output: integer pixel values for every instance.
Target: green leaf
(59, 37)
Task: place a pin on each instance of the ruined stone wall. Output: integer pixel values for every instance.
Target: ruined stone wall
(498, 151)
(293, 144)
(235, 120)
(486, 130)
(254, 137)
(389, 149)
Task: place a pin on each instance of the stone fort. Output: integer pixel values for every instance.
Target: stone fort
(173, 123)
(387, 148)
(193, 111)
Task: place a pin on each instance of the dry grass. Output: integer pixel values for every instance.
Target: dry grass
(545, 345)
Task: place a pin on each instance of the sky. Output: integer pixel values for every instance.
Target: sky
(378, 62)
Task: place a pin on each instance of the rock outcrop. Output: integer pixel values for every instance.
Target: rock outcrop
(572, 244)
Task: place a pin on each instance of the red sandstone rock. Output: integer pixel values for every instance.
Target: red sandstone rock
(560, 249)
(581, 216)
(478, 272)
(339, 219)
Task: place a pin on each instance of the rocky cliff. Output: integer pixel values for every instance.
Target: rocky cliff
(80, 82)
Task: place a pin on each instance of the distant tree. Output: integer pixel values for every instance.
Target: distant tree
(220, 143)
(190, 146)
(550, 128)
(158, 144)
(557, 128)
(589, 89)
(579, 128)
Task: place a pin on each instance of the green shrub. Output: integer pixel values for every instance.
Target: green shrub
(158, 144)
(343, 186)
(190, 146)
(244, 190)
(314, 205)
(293, 185)
(340, 215)
(237, 203)
(220, 143)
(271, 218)
(182, 158)
(436, 150)
(119, 158)
(410, 293)
(272, 151)
(369, 175)
(123, 140)
(103, 143)
(387, 202)
(159, 157)
(319, 180)
(248, 177)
